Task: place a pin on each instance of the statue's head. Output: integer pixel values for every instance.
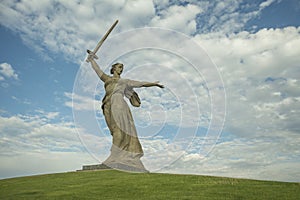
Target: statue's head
(117, 67)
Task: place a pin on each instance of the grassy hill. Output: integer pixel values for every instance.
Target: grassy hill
(111, 184)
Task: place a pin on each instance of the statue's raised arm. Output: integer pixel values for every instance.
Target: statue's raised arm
(97, 69)
(92, 55)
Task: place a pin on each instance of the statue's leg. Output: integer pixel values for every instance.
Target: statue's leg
(118, 137)
(108, 118)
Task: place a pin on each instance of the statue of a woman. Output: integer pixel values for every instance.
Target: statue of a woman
(126, 150)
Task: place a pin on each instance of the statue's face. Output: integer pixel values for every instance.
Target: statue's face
(119, 69)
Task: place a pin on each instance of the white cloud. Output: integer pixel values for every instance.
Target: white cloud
(261, 158)
(48, 116)
(79, 102)
(224, 17)
(260, 72)
(71, 27)
(6, 70)
(32, 139)
(136, 12)
(265, 4)
(43, 162)
(35, 130)
(7, 75)
(180, 18)
(52, 115)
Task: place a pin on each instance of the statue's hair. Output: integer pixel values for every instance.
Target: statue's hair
(112, 69)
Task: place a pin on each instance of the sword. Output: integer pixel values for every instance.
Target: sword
(93, 53)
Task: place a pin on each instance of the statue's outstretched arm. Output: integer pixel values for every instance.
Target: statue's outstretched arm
(149, 84)
(138, 84)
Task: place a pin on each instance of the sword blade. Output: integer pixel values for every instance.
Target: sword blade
(104, 37)
(101, 41)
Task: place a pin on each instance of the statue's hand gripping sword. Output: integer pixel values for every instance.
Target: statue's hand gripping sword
(93, 53)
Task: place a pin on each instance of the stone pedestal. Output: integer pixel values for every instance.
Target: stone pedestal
(117, 166)
(95, 167)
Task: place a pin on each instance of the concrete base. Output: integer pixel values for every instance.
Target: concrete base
(94, 167)
(118, 166)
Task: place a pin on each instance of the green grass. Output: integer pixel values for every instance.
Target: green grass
(111, 184)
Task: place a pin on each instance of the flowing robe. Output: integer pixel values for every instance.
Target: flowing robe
(126, 150)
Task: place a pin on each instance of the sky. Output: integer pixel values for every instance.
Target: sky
(230, 106)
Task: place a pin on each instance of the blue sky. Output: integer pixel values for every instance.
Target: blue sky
(254, 52)
(35, 76)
